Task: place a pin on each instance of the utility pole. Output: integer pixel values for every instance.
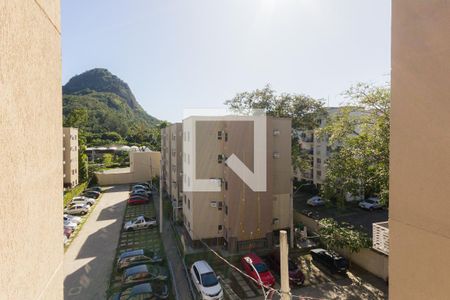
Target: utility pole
(160, 198)
(284, 269)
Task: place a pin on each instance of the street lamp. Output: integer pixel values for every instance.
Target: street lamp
(250, 262)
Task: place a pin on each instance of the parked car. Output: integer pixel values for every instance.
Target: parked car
(138, 199)
(371, 203)
(140, 187)
(95, 188)
(73, 219)
(83, 199)
(67, 232)
(140, 222)
(77, 209)
(144, 184)
(143, 291)
(143, 273)
(316, 201)
(137, 257)
(332, 261)
(206, 281)
(91, 194)
(295, 274)
(70, 224)
(141, 192)
(264, 273)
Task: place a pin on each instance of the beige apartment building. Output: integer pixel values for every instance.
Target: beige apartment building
(419, 206)
(31, 182)
(70, 156)
(231, 213)
(172, 160)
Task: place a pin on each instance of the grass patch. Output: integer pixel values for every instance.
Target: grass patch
(74, 192)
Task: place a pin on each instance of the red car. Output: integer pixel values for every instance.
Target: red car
(264, 273)
(295, 274)
(138, 200)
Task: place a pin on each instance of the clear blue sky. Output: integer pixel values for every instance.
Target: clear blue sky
(198, 53)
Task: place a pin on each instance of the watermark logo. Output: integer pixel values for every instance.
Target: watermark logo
(256, 180)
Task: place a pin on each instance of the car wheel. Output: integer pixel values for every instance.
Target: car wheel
(129, 229)
(371, 209)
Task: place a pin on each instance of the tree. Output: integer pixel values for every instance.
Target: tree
(77, 118)
(337, 236)
(359, 135)
(107, 159)
(304, 111)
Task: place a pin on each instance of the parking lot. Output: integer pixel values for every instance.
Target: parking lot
(319, 282)
(89, 259)
(148, 239)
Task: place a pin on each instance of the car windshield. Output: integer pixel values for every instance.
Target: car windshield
(261, 267)
(370, 201)
(209, 279)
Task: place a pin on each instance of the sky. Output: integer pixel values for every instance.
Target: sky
(184, 54)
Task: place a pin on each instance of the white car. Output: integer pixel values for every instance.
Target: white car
(140, 222)
(371, 203)
(73, 219)
(84, 200)
(316, 201)
(69, 224)
(77, 209)
(206, 281)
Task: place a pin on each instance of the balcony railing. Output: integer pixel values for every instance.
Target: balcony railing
(380, 237)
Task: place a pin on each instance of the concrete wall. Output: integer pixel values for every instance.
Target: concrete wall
(143, 167)
(31, 183)
(368, 259)
(419, 218)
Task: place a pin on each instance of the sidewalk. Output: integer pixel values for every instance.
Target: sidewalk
(175, 261)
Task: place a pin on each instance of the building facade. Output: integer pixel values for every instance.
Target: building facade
(233, 214)
(31, 182)
(172, 160)
(419, 206)
(70, 156)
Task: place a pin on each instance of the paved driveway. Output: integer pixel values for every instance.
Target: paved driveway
(89, 259)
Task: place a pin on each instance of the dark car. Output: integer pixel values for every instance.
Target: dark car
(143, 291)
(138, 199)
(141, 192)
(295, 274)
(143, 273)
(332, 261)
(95, 189)
(137, 257)
(91, 194)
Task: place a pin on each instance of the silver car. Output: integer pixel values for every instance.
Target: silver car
(77, 209)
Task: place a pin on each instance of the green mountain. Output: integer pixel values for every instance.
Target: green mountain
(109, 104)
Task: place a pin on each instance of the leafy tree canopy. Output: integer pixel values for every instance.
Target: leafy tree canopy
(337, 236)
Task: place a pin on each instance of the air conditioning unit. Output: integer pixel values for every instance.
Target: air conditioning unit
(276, 132)
(276, 155)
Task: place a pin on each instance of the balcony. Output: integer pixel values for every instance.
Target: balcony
(380, 237)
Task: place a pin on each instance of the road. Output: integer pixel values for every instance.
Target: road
(174, 259)
(89, 259)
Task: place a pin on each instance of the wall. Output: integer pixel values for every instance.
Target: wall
(368, 259)
(419, 220)
(70, 156)
(143, 167)
(31, 182)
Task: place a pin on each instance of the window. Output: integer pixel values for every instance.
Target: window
(226, 209)
(319, 173)
(219, 227)
(219, 135)
(219, 205)
(196, 274)
(189, 203)
(318, 160)
(276, 132)
(226, 185)
(220, 158)
(276, 155)
(226, 136)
